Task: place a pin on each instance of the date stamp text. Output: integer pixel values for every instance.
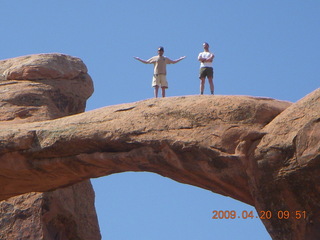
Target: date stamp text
(232, 214)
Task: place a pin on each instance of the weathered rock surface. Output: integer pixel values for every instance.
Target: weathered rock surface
(67, 213)
(285, 170)
(35, 88)
(42, 87)
(189, 139)
(260, 151)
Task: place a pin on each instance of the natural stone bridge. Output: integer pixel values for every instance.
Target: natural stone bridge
(261, 151)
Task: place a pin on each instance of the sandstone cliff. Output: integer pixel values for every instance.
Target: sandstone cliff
(261, 151)
(37, 88)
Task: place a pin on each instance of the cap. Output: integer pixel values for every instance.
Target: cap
(160, 49)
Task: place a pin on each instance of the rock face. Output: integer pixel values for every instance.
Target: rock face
(37, 88)
(42, 87)
(285, 171)
(260, 151)
(189, 139)
(66, 213)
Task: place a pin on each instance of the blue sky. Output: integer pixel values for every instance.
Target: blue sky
(262, 48)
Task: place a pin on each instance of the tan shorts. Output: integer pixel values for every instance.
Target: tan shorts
(160, 80)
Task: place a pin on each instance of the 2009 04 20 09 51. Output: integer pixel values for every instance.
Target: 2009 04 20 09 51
(232, 214)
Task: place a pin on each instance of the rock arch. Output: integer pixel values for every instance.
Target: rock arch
(261, 151)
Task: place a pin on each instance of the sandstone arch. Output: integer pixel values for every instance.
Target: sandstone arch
(260, 151)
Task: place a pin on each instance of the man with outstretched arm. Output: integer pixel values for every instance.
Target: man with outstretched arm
(160, 70)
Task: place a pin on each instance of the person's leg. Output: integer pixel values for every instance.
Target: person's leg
(163, 92)
(210, 79)
(156, 89)
(163, 83)
(202, 82)
(155, 84)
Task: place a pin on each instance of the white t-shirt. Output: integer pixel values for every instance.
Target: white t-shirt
(205, 55)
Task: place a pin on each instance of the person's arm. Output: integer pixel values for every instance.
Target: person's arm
(175, 61)
(210, 59)
(141, 60)
(201, 59)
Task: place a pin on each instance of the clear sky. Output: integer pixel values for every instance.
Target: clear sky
(262, 48)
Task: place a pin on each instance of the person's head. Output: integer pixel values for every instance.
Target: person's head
(160, 51)
(205, 46)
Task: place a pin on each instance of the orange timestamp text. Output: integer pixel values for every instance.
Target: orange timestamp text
(232, 214)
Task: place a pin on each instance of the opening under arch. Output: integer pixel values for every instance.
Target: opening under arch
(143, 205)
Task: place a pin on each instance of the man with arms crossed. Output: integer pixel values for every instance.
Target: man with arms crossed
(206, 69)
(160, 70)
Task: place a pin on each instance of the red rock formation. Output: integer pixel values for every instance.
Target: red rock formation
(285, 171)
(42, 87)
(260, 151)
(66, 213)
(189, 139)
(37, 88)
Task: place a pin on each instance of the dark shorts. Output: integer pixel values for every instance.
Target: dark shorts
(206, 72)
